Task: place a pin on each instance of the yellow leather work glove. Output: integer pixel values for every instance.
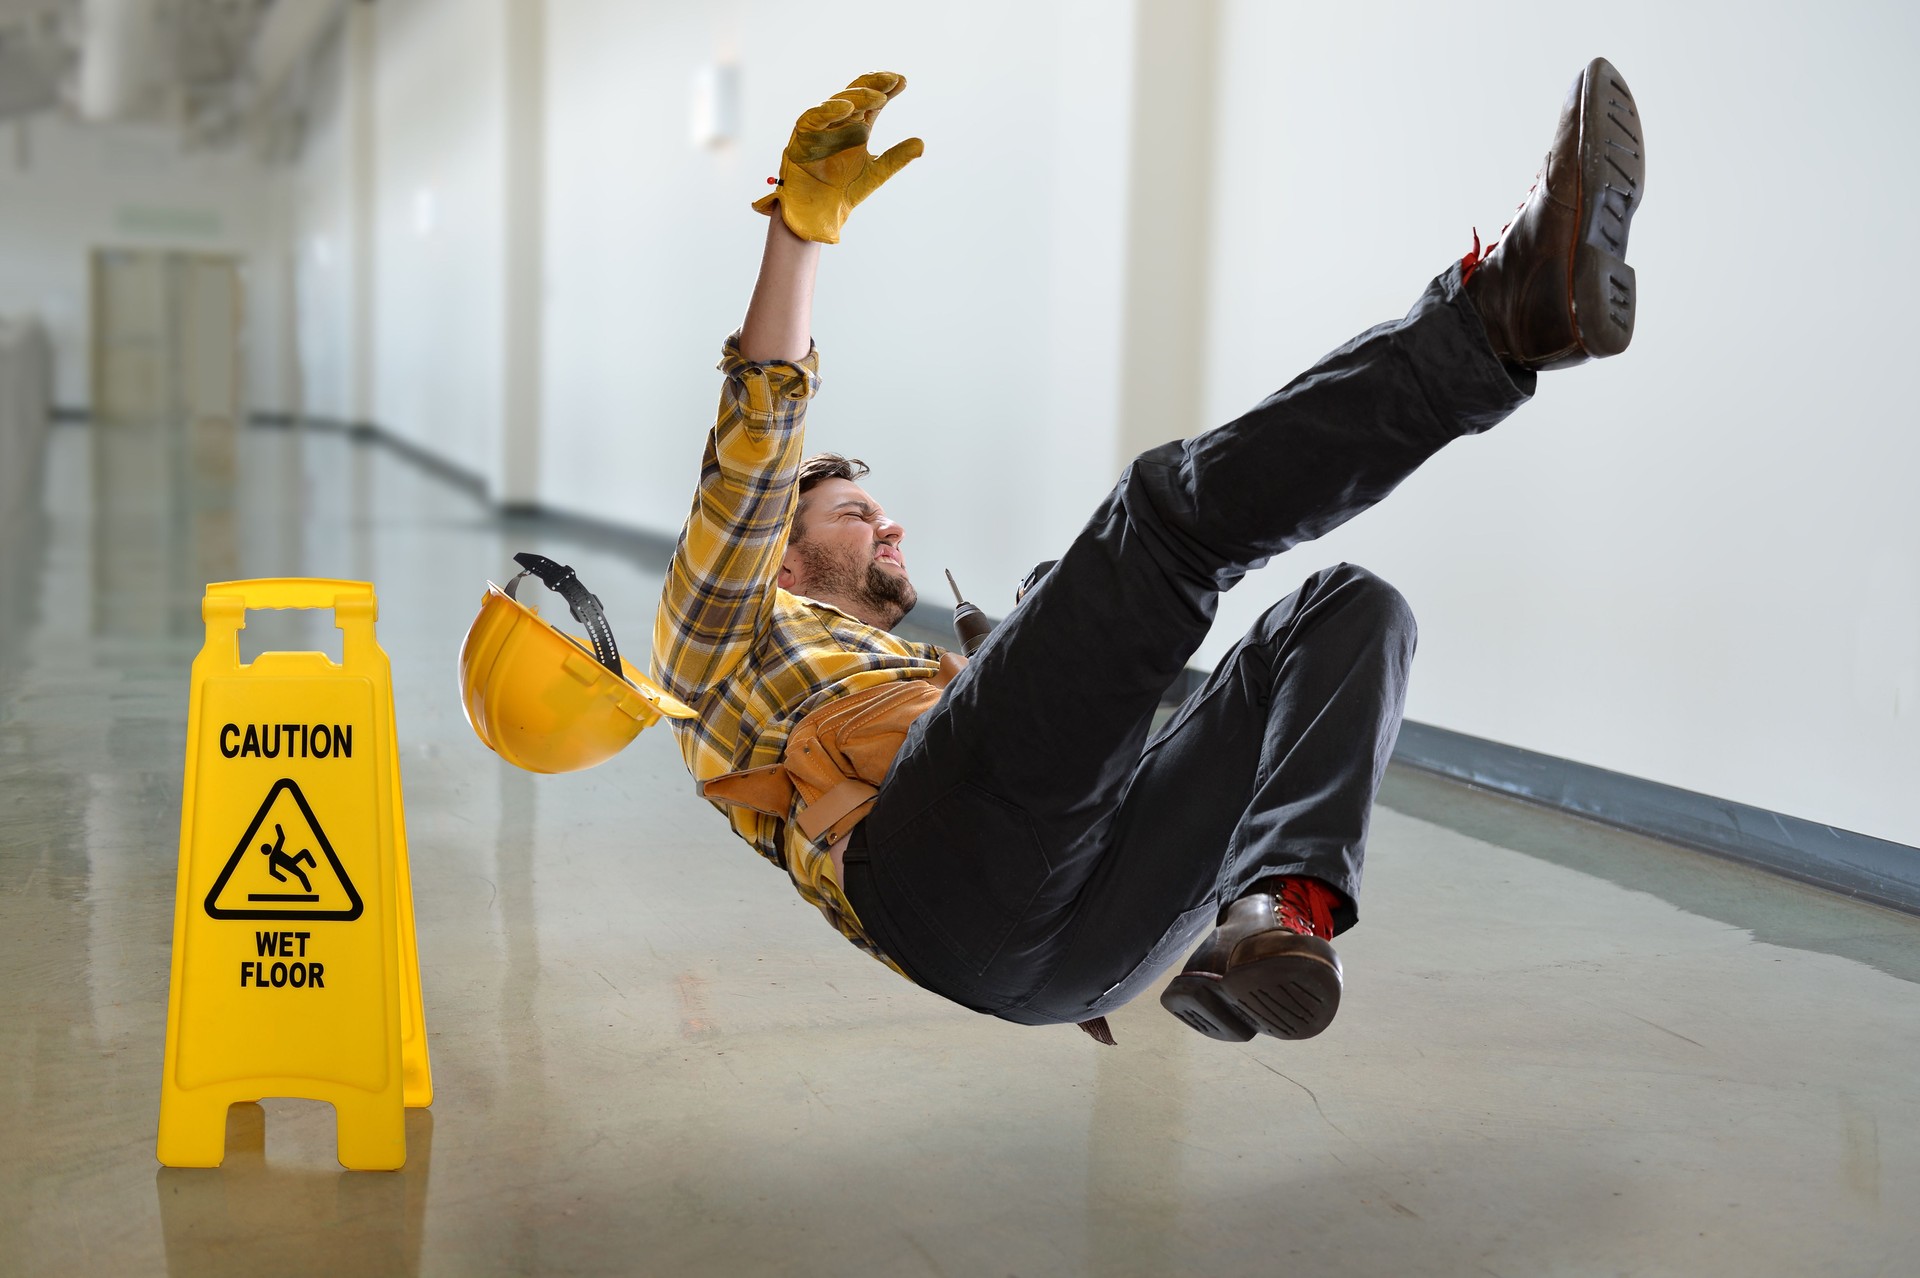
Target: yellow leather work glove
(827, 169)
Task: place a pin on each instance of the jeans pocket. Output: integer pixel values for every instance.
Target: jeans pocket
(1186, 930)
(971, 865)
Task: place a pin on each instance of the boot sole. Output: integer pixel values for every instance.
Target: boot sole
(1613, 168)
(1288, 987)
(1198, 1001)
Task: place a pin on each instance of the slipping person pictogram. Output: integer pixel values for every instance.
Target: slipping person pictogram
(278, 860)
(1009, 832)
(247, 888)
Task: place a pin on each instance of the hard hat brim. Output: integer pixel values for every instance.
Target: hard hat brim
(537, 697)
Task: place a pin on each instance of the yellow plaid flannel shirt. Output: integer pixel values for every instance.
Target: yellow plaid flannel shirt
(752, 658)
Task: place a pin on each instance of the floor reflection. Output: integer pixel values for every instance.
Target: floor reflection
(251, 1216)
(165, 506)
(1133, 1159)
(1567, 1050)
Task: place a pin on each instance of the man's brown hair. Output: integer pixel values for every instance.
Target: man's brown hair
(816, 470)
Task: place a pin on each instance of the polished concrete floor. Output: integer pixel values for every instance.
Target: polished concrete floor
(1563, 1051)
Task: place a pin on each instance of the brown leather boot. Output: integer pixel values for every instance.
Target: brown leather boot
(1266, 969)
(1555, 289)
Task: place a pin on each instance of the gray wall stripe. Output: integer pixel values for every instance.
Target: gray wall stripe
(1857, 865)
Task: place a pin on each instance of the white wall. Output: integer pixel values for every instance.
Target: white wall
(1700, 562)
(1696, 563)
(439, 245)
(1005, 382)
(968, 324)
(66, 190)
(323, 243)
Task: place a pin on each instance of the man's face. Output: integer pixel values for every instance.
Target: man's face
(845, 551)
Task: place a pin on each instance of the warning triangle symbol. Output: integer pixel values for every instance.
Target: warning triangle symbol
(284, 867)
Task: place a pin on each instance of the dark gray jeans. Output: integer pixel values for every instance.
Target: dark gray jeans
(1033, 853)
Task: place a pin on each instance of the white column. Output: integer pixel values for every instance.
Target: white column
(357, 100)
(1170, 179)
(517, 477)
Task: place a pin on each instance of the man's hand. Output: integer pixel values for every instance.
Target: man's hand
(826, 169)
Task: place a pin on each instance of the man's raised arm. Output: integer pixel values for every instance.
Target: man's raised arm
(779, 322)
(825, 172)
(720, 584)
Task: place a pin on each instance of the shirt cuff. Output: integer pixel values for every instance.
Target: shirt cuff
(764, 387)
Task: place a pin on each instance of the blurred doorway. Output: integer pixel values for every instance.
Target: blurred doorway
(166, 336)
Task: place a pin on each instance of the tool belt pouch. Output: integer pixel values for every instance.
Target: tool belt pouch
(830, 775)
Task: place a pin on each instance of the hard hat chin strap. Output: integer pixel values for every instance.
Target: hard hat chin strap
(581, 602)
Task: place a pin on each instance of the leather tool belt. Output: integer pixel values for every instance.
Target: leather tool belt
(835, 760)
(829, 777)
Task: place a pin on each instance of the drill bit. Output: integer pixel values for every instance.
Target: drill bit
(970, 625)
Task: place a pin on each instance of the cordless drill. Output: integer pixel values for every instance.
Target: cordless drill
(970, 625)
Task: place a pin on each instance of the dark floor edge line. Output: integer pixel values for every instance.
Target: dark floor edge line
(652, 548)
(425, 458)
(1857, 865)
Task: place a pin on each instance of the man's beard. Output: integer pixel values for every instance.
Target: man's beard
(884, 594)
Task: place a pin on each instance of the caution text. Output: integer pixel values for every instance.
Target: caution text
(287, 741)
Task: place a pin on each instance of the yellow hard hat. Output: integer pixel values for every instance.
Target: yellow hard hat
(544, 700)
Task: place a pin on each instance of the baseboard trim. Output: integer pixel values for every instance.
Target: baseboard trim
(427, 460)
(653, 548)
(1856, 865)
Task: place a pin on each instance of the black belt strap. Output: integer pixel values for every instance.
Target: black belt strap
(581, 602)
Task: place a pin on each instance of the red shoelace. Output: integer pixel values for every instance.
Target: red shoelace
(1306, 907)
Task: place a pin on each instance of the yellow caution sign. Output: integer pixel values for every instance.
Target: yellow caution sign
(295, 966)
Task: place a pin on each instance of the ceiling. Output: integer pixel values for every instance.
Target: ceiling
(221, 71)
